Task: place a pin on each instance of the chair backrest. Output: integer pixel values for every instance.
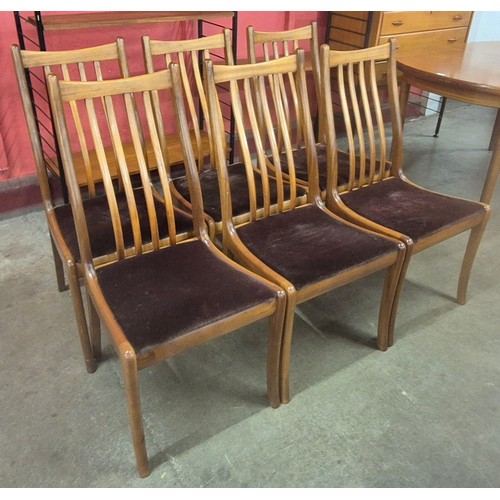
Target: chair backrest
(94, 63)
(189, 55)
(269, 45)
(366, 109)
(128, 107)
(259, 139)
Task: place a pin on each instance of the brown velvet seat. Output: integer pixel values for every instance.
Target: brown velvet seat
(298, 244)
(300, 157)
(417, 213)
(175, 291)
(384, 200)
(308, 246)
(239, 189)
(163, 293)
(101, 236)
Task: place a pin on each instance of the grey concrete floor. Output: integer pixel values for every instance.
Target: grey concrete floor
(426, 413)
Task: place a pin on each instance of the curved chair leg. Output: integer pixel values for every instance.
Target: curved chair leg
(58, 264)
(386, 313)
(131, 377)
(403, 268)
(286, 345)
(475, 237)
(95, 329)
(276, 322)
(81, 320)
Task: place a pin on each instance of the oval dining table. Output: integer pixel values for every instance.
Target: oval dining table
(467, 72)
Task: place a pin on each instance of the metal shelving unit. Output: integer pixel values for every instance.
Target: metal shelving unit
(31, 31)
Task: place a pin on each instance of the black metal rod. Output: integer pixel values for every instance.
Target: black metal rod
(440, 117)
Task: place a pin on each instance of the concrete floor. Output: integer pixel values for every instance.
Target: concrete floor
(425, 413)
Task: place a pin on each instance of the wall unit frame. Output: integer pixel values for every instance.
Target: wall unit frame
(31, 31)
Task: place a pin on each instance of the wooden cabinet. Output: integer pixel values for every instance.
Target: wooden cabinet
(354, 30)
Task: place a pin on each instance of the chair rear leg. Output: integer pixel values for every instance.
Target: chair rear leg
(95, 329)
(59, 266)
(132, 391)
(81, 320)
(475, 237)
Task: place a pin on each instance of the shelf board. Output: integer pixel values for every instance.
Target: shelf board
(54, 22)
(175, 156)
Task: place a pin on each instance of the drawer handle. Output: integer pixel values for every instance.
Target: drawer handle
(452, 40)
(397, 23)
(457, 18)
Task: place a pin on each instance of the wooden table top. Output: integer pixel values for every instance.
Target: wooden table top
(470, 68)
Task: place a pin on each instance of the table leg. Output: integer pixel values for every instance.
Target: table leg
(404, 95)
(494, 142)
(491, 177)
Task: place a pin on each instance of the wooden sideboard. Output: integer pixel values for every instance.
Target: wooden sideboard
(434, 29)
(353, 30)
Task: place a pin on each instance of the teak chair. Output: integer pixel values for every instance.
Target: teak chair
(305, 249)
(189, 55)
(163, 295)
(379, 196)
(194, 90)
(81, 64)
(269, 45)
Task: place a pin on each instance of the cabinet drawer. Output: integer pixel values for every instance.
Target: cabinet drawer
(407, 22)
(433, 39)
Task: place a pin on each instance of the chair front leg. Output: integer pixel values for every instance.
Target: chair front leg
(475, 237)
(132, 392)
(275, 338)
(286, 344)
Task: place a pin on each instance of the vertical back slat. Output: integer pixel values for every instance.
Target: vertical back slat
(143, 171)
(260, 152)
(348, 126)
(106, 177)
(161, 160)
(373, 154)
(80, 133)
(244, 146)
(114, 129)
(358, 131)
(379, 119)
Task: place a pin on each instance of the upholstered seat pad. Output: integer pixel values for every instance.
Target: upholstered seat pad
(300, 161)
(239, 191)
(306, 245)
(100, 227)
(412, 211)
(162, 295)
(301, 172)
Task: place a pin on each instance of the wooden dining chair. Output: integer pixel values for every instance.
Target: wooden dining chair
(95, 63)
(269, 45)
(189, 55)
(379, 196)
(164, 294)
(303, 248)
